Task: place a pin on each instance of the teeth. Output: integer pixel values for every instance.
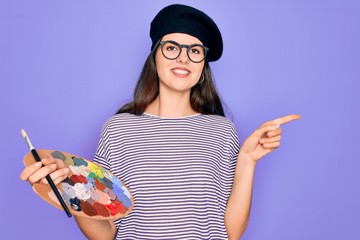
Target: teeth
(181, 71)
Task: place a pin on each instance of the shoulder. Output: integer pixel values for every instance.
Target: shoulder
(121, 117)
(119, 120)
(217, 124)
(224, 128)
(218, 120)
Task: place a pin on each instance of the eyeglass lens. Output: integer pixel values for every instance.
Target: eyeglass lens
(171, 50)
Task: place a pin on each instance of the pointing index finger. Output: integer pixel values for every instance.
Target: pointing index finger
(283, 120)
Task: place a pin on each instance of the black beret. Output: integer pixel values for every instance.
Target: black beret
(179, 18)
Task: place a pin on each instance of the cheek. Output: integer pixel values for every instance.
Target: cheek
(161, 65)
(199, 70)
(160, 71)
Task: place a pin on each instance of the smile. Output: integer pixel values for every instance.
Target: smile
(180, 71)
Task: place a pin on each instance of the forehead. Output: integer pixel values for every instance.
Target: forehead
(182, 38)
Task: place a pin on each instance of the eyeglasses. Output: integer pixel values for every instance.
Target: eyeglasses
(172, 50)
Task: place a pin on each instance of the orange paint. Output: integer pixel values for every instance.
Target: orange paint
(99, 185)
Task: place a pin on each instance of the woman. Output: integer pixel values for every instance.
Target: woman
(184, 167)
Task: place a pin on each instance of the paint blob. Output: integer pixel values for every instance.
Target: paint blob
(103, 197)
(101, 209)
(79, 161)
(81, 191)
(99, 185)
(68, 181)
(107, 182)
(79, 179)
(75, 204)
(80, 170)
(58, 155)
(110, 193)
(94, 195)
(88, 209)
(115, 207)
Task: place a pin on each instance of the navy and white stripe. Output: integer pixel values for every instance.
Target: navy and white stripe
(179, 170)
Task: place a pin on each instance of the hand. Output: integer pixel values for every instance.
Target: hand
(265, 139)
(36, 172)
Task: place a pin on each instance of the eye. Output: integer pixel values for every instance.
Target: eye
(171, 47)
(196, 50)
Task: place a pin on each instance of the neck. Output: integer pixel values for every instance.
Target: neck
(176, 105)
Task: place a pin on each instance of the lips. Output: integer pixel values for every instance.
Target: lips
(180, 71)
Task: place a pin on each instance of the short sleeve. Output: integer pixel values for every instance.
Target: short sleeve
(234, 149)
(102, 156)
(227, 176)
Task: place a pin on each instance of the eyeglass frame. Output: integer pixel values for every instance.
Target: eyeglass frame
(181, 46)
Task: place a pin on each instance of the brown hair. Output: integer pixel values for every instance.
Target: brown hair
(203, 97)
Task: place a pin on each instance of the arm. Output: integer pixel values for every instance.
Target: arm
(96, 229)
(238, 207)
(261, 142)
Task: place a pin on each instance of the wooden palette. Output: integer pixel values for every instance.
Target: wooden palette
(89, 191)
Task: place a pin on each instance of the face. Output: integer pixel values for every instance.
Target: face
(180, 74)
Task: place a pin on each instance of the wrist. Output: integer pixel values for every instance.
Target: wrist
(246, 160)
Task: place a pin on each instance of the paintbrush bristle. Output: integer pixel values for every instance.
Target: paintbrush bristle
(27, 140)
(23, 133)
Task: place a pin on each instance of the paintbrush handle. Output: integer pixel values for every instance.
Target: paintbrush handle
(53, 186)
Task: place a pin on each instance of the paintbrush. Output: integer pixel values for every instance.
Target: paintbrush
(48, 178)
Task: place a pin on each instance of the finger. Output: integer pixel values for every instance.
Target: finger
(59, 180)
(283, 120)
(48, 160)
(51, 160)
(264, 129)
(41, 173)
(271, 145)
(274, 133)
(270, 140)
(57, 176)
(60, 163)
(29, 170)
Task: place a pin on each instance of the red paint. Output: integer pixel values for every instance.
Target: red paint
(101, 209)
(79, 179)
(121, 208)
(116, 207)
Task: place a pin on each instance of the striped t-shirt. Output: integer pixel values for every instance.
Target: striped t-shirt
(179, 171)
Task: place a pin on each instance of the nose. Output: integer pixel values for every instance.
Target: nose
(183, 57)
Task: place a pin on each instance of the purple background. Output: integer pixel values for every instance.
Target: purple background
(66, 66)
